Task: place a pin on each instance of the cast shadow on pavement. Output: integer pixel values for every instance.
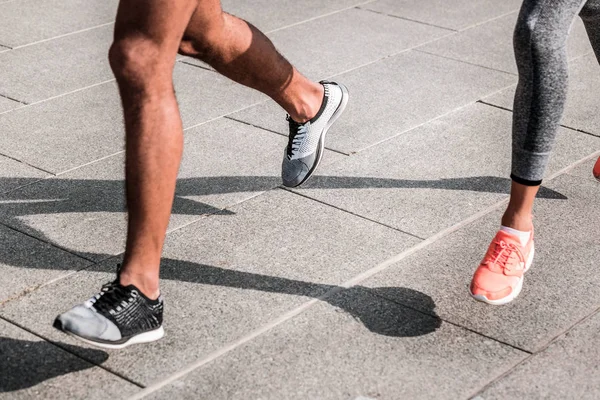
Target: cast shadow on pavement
(64, 196)
(25, 364)
(382, 310)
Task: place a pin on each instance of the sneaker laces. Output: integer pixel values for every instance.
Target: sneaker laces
(501, 254)
(112, 295)
(298, 133)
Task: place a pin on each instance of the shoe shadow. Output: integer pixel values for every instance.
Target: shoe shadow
(370, 306)
(25, 364)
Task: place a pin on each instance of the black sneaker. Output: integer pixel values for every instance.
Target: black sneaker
(115, 318)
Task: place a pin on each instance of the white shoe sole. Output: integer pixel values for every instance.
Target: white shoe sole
(513, 295)
(145, 337)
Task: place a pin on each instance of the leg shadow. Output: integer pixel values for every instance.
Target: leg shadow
(369, 306)
(25, 364)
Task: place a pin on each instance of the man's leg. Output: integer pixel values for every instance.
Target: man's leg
(540, 48)
(239, 51)
(147, 36)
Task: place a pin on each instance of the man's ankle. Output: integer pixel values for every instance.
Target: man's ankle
(308, 104)
(146, 284)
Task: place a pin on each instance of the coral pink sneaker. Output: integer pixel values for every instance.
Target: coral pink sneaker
(499, 278)
(597, 169)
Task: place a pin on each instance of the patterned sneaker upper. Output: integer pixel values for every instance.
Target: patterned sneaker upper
(597, 169)
(302, 153)
(502, 267)
(114, 315)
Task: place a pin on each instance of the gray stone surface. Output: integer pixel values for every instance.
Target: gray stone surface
(73, 130)
(418, 186)
(66, 132)
(497, 53)
(423, 153)
(48, 69)
(458, 14)
(26, 263)
(282, 14)
(582, 109)
(83, 210)
(8, 104)
(230, 274)
(561, 288)
(568, 369)
(33, 368)
(14, 174)
(27, 21)
(346, 40)
(359, 345)
(395, 95)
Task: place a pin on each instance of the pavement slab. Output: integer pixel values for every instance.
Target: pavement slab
(498, 50)
(228, 275)
(457, 15)
(27, 21)
(417, 186)
(85, 126)
(552, 300)
(84, 211)
(26, 263)
(283, 14)
(395, 95)
(582, 111)
(345, 40)
(567, 369)
(14, 174)
(32, 367)
(40, 71)
(357, 346)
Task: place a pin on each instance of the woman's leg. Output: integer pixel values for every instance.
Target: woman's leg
(540, 49)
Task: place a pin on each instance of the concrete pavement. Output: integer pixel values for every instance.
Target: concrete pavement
(352, 287)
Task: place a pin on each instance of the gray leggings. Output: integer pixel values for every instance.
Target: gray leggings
(540, 49)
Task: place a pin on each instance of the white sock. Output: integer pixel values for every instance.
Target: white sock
(523, 236)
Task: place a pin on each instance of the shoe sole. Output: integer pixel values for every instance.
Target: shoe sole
(334, 117)
(145, 337)
(513, 295)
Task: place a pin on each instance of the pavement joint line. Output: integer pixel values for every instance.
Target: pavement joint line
(13, 99)
(448, 321)
(308, 197)
(59, 174)
(25, 163)
(64, 35)
(195, 65)
(319, 16)
(532, 355)
(380, 59)
(412, 128)
(489, 20)
(465, 62)
(348, 284)
(562, 125)
(56, 246)
(278, 133)
(58, 346)
(494, 105)
(408, 19)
